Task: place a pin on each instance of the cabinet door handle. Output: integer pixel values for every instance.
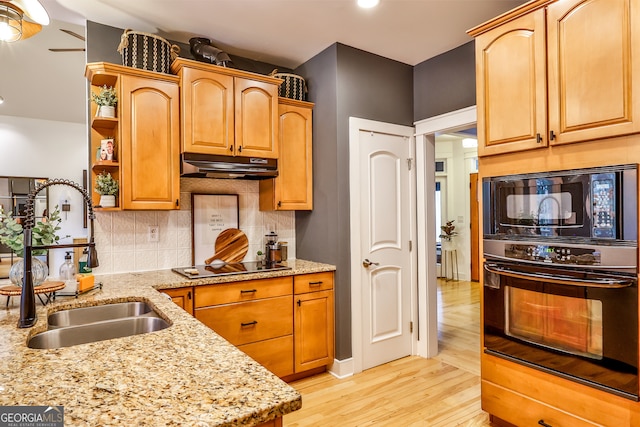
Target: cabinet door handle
(248, 291)
(319, 282)
(240, 149)
(538, 138)
(189, 295)
(542, 423)
(299, 303)
(231, 147)
(254, 322)
(177, 202)
(279, 204)
(552, 136)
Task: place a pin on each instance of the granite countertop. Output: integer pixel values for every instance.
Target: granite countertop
(183, 375)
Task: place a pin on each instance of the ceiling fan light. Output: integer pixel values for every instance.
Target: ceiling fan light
(10, 23)
(368, 4)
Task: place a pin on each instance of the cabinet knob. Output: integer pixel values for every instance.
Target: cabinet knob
(552, 136)
(240, 149)
(538, 138)
(299, 303)
(542, 423)
(279, 204)
(231, 147)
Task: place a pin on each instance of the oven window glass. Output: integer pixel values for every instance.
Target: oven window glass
(568, 324)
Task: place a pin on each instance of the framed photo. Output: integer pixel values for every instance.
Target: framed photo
(211, 214)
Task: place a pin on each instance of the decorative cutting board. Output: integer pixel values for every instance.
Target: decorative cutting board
(231, 246)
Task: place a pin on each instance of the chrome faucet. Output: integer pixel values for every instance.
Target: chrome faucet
(28, 315)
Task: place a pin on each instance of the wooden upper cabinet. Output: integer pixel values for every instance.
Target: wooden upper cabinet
(227, 111)
(588, 51)
(146, 132)
(511, 86)
(256, 106)
(293, 188)
(594, 69)
(150, 138)
(208, 114)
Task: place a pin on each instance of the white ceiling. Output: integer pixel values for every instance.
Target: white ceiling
(281, 32)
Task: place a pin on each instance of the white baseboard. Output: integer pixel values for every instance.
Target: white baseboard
(342, 368)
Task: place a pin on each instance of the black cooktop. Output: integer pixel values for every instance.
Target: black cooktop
(200, 271)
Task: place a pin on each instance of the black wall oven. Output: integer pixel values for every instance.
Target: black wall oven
(560, 274)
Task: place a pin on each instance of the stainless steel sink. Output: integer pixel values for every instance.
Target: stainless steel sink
(96, 331)
(98, 313)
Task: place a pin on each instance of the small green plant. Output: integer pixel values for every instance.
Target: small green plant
(448, 230)
(43, 232)
(106, 97)
(106, 185)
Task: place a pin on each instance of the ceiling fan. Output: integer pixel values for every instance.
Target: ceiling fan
(21, 19)
(73, 34)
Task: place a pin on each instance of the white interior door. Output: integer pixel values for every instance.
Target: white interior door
(385, 230)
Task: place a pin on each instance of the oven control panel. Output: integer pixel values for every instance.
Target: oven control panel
(553, 254)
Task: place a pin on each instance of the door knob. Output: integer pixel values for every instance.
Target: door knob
(366, 263)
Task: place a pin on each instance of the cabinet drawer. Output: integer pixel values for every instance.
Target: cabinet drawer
(313, 282)
(249, 290)
(502, 402)
(248, 322)
(275, 354)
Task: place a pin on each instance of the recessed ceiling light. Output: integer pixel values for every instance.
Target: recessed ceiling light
(469, 142)
(367, 4)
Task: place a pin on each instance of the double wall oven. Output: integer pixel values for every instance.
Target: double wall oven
(560, 274)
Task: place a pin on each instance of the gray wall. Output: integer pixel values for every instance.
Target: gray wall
(445, 83)
(344, 82)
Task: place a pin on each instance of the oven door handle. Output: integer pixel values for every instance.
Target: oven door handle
(590, 283)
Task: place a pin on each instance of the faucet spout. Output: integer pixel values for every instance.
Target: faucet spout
(28, 315)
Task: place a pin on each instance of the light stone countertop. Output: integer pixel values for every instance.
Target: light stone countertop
(185, 375)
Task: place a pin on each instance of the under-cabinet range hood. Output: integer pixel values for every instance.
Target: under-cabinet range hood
(216, 166)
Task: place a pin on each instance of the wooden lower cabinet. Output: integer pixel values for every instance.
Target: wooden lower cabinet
(183, 297)
(314, 321)
(523, 396)
(255, 315)
(273, 423)
(275, 354)
(285, 323)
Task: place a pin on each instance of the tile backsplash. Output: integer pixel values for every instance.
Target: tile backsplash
(122, 237)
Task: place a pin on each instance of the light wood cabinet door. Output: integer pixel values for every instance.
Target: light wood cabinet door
(182, 297)
(594, 69)
(501, 402)
(511, 86)
(275, 354)
(314, 330)
(256, 118)
(207, 112)
(293, 188)
(150, 140)
(247, 322)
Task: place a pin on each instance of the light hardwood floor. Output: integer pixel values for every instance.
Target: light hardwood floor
(413, 391)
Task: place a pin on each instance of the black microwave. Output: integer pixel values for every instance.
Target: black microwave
(596, 203)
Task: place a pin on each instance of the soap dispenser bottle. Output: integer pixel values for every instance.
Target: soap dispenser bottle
(82, 262)
(68, 274)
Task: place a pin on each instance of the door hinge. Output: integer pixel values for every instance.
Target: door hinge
(409, 161)
(410, 245)
(411, 327)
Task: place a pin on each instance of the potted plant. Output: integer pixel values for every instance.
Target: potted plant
(107, 187)
(43, 233)
(448, 232)
(106, 101)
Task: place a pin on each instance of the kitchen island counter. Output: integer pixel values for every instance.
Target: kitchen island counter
(183, 375)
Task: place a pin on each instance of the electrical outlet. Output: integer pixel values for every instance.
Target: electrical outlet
(153, 233)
